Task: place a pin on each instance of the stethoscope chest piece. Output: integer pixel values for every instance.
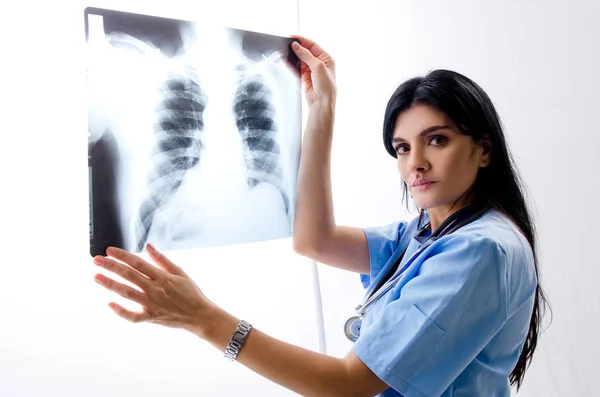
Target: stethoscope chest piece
(352, 328)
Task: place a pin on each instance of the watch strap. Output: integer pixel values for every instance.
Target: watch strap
(237, 340)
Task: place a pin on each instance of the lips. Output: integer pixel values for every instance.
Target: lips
(422, 184)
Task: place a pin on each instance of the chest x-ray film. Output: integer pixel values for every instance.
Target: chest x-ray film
(194, 133)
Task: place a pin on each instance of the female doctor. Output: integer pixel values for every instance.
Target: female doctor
(453, 304)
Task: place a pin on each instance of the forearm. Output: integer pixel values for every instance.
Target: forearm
(301, 370)
(314, 215)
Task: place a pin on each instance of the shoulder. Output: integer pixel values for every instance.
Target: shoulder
(383, 240)
(496, 228)
(393, 232)
(497, 239)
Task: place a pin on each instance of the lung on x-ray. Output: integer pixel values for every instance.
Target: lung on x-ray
(194, 133)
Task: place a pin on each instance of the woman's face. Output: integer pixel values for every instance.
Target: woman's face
(437, 162)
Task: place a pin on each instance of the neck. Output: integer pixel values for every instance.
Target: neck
(437, 215)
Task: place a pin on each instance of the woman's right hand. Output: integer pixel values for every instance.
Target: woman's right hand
(317, 71)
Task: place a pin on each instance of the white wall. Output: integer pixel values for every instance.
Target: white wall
(538, 60)
(57, 335)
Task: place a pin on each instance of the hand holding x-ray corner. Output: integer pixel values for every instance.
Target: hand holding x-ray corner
(317, 72)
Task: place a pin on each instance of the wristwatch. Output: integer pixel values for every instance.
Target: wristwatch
(237, 340)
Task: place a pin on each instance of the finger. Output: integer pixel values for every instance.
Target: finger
(135, 262)
(163, 261)
(134, 317)
(124, 290)
(306, 56)
(310, 45)
(124, 271)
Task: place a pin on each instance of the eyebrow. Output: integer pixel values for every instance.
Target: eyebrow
(424, 132)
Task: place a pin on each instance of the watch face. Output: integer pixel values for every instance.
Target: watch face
(237, 340)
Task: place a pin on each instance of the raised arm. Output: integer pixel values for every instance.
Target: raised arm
(316, 234)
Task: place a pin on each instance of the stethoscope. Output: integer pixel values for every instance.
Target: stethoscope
(455, 221)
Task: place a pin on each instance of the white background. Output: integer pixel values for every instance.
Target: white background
(536, 59)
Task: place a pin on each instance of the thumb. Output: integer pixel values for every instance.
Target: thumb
(164, 262)
(305, 56)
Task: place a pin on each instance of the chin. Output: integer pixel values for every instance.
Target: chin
(425, 207)
(422, 204)
(427, 203)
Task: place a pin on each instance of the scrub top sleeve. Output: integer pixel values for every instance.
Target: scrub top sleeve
(445, 315)
(381, 241)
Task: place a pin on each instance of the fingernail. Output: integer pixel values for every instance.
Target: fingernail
(99, 261)
(151, 248)
(295, 45)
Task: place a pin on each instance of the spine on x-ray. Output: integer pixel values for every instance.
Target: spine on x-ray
(178, 136)
(255, 118)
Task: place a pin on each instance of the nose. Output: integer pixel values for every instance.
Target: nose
(417, 162)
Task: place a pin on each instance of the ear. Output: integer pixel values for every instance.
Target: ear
(486, 154)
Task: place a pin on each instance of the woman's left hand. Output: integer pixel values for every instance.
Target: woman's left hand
(169, 297)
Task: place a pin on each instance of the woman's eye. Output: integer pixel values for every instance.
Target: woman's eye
(401, 149)
(438, 140)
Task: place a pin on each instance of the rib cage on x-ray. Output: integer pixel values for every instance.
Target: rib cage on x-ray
(255, 119)
(178, 145)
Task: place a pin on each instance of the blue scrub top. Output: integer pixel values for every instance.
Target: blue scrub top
(456, 321)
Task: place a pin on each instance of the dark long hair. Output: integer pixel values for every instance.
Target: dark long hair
(498, 185)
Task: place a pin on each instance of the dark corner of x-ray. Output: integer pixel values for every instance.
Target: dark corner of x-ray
(194, 133)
